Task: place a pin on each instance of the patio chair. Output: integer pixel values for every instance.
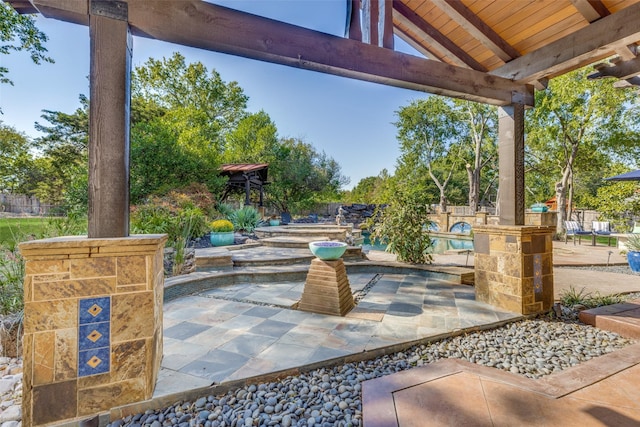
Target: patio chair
(636, 228)
(601, 228)
(573, 229)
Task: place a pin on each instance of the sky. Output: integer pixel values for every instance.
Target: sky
(350, 120)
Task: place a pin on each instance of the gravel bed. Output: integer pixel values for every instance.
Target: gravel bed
(332, 396)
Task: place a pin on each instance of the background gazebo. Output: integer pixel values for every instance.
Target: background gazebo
(248, 176)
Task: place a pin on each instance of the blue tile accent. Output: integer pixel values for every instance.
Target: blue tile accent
(93, 335)
(94, 310)
(93, 362)
(537, 273)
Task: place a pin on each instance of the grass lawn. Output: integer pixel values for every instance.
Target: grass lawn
(12, 228)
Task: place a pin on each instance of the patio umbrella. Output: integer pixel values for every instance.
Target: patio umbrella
(629, 176)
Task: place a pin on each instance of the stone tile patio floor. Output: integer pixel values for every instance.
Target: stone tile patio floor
(223, 334)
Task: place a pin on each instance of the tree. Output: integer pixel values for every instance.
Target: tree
(159, 163)
(18, 33)
(427, 131)
(198, 104)
(253, 141)
(15, 159)
(300, 176)
(573, 116)
(479, 135)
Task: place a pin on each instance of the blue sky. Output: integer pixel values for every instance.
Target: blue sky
(350, 120)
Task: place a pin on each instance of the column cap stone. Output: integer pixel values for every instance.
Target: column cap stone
(513, 229)
(82, 244)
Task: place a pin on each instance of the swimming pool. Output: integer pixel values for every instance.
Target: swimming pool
(440, 244)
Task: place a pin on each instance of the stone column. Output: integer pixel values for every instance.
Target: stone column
(92, 325)
(514, 267)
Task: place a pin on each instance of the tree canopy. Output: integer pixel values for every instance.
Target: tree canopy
(19, 33)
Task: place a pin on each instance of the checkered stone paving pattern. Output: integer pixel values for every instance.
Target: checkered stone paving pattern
(243, 330)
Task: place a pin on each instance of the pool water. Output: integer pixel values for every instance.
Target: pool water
(440, 245)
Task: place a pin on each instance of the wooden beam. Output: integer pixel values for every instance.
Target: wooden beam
(208, 26)
(591, 10)
(374, 19)
(464, 17)
(211, 27)
(577, 49)
(511, 165)
(621, 70)
(435, 38)
(110, 73)
(355, 31)
(387, 32)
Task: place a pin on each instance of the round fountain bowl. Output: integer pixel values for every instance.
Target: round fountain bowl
(327, 251)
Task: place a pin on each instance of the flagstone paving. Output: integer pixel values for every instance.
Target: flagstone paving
(243, 330)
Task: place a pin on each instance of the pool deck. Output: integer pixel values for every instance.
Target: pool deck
(229, 336)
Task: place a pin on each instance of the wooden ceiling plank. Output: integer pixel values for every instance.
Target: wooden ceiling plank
(208, 26)
(576, 49)
(477, 28)
(424, 30)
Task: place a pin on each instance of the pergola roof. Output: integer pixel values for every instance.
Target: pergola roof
(484, 50)
(491, 51)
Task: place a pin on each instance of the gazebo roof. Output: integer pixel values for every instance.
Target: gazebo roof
(242, 167)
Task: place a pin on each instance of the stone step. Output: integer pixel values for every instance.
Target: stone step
(291, 241)
(623, 319)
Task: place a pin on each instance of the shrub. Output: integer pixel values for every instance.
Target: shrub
(403, 227)
(159, 217)
(221, 226)
(245, 219)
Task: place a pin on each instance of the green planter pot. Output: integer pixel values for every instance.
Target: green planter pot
(224, 238)
(274, 222)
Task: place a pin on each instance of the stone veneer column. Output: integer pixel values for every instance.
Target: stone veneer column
(514, 267)
(92, 323)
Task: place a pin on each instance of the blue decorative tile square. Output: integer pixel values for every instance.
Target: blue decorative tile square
(93, 362)
(537, 273)
(93, 335)
(94, 310)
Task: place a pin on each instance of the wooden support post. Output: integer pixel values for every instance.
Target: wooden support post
(247, 190)
(511, 164)
(110, 85)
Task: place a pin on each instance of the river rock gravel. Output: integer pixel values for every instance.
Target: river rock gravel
(332, 397)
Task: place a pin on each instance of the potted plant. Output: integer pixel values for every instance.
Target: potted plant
(633, 252)
(221, 232)
(539, 207)
(273, 220)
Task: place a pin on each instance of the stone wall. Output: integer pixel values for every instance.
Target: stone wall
(92, 325)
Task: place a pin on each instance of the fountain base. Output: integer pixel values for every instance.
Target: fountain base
(327, 289)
